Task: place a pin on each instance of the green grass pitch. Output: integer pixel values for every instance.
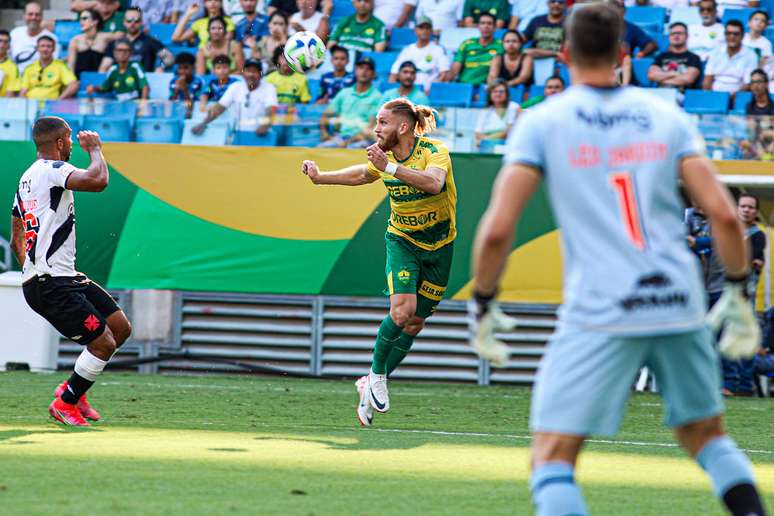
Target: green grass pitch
(248, 445)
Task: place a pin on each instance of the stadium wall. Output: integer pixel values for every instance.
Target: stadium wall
(244, 219)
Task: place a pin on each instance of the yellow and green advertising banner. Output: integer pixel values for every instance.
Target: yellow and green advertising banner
(242, 219)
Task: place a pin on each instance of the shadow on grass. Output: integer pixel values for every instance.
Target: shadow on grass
(9, 436)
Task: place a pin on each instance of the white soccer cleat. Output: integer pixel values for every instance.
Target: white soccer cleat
(365, 412)
(483, 329)
(734, 313)
(377, 388)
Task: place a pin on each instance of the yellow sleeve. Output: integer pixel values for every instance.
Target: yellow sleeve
(439, 159)
(230, 27)
(304, 95)
(67, 75)
(26, 78)
(374, 171)
(13, 83)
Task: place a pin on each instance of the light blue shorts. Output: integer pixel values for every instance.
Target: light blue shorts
(585, 379)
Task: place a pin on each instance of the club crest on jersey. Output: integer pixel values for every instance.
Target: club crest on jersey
(404, 276)
(91, 323)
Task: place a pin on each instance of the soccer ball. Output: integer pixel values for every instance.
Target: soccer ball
(304, 51)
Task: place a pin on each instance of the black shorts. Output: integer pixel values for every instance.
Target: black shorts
(74, 305)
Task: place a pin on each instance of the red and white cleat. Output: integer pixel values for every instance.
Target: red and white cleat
(87, 410)
(66, 413)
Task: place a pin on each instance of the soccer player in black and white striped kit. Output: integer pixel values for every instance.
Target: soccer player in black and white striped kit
(43, 240)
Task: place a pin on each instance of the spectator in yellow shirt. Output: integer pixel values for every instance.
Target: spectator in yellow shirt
(48, 78)
(291, 86)
(9, 73)
(199, 28)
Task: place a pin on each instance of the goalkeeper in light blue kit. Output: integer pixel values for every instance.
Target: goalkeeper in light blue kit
(611, 159)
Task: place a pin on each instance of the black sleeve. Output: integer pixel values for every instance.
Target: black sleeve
(694, 60)
(758, 244)
(529, 32)
(659, 59)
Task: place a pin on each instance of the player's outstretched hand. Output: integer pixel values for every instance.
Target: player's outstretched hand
(89, 140)
(484, 319)
(311, 170)
(734, 313)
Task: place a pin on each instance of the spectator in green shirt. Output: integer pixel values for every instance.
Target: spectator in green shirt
(473, 10)
(472, 60)
(407, 77)
(125, 80)
(112, 18)
(353, 111)
(362, 31)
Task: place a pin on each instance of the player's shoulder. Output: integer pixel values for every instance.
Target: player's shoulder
(662, 110)
(112, 69)
(432, 145)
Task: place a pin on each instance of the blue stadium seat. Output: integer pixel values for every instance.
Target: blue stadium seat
(215, 134)
(647, 18)
(383, 84)
(687, 15)
(479, 97)
(640, 71)
(662, 40)
(90, 79)
(452, 38)
(314, 88)
(450, 94)
(303, 135)
(176, 50)
(74, 120)
(341, 9)
(163, 109)
(738, 14)
(535, 90)
(741, 99)
(159, 85)
(542, 69)
(158, 130)
(65, 30)
(516, 93)
(162, 32)
(269, 139)
(382, 60)
(701, 102)
(310, 111)
(15, 129)
(401, 37)
(110, 128)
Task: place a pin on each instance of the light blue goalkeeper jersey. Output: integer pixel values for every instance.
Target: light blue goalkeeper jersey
(610, 160)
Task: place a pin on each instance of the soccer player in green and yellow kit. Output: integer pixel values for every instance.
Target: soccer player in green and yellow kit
(417, 172)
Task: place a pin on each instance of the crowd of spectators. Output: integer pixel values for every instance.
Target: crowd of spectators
(212, 42)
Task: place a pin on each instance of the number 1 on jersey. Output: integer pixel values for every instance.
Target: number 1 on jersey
(627, 202)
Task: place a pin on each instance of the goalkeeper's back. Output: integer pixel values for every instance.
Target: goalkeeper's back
(611, 159)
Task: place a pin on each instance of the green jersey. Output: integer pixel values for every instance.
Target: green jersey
(354, 109)
(353, 35)
(500, 9)
(126, 85)
(114, 24)
(476, 58)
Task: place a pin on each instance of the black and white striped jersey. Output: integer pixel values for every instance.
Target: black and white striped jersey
(47, 210)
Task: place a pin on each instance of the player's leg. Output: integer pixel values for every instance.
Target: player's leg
(115, 317)
(435, 267)
(119, 327)
(582, 386)
(688, 373)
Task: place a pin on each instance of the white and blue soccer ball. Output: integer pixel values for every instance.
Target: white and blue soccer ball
(304, 51)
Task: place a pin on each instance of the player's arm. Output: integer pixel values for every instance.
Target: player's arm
(18, 245)
(430, 180)
(699, 179)
(96, 177)
(351, 176)
(513, 188)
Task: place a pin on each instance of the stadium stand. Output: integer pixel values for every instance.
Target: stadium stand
(159, 120)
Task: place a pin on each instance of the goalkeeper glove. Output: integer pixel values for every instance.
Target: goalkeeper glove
(484, 319)
(734, 313)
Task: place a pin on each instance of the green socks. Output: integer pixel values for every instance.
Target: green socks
(399, 351)
(388, 336)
